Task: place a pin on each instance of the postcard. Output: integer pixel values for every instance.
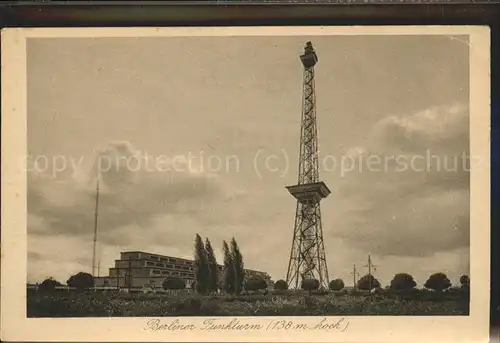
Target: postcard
(250, 184)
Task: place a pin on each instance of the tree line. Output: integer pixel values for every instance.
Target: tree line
(80, 281)
(402, 281)
(209, 279)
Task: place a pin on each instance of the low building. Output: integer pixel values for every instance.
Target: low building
(136, 270)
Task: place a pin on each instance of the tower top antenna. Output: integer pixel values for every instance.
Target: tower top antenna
(309, 58)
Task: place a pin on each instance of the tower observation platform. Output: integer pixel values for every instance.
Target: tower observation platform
(309, 192)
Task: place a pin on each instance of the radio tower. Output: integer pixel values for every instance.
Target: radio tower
(94, 250)
(307, 257)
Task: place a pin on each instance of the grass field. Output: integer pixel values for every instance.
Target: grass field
(292, 304)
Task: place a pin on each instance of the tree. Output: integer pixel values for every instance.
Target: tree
(174, 283)
(228, 281)
(367, 283)
(281, 285)
(464, 281)
(81, 281)
(403, 282)
(239, 272)
(336, 285)
(213, 270)
(201, 266)
(255, 284)
(438, 282)
(49, 285)
(309, 285)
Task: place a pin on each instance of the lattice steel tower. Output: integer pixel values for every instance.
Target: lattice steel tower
(307, 257)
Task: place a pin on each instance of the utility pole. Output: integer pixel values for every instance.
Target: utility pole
(370, 267)
(354, 274)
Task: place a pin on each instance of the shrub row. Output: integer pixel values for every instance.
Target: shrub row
(94, 305)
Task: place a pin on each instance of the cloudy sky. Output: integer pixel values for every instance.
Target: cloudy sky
(201, 135)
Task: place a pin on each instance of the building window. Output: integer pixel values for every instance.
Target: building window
(150, 264)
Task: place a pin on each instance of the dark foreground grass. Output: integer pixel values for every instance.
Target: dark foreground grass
(155, 305)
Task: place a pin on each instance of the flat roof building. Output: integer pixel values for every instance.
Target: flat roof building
(137, 270)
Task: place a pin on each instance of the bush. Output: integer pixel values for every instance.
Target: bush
(367, 283)
(465, 281)
(438, 282)
(255, 284)
(49, 285)
(81, 281)
(174, 283)
(281, 285)
(336, 285)
(402, 281)
(310, 285)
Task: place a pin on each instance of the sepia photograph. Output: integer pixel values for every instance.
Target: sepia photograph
(278, 175)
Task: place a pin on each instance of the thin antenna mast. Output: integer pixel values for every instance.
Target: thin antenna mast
(95, 228)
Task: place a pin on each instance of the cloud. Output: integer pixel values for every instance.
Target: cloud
(415, 200)
(443, 129)
(129, 196)
(157, 210)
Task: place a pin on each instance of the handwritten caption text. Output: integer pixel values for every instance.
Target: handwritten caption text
(237, 324)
